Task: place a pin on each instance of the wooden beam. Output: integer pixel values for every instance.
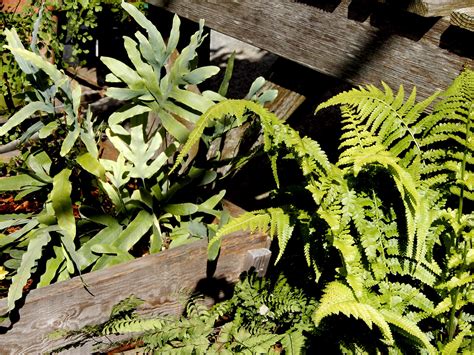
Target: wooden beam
(330, 43)
(258, 259)
(437, 7)
(162, 280)
(463, 18)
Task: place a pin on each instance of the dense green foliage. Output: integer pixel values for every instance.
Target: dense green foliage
(397, 208)
(262, 316)
(98, 210)
(387, 228)
(61, 30)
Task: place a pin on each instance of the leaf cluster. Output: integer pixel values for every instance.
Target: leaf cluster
(99, 209)
(262, 316)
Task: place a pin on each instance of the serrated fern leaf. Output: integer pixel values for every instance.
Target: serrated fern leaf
(453, 346)
(338, 298)
(130, 324)
(273, 220)
(409, 327)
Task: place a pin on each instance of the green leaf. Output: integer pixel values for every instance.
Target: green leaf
(198, 75)
(91, 165)
(140, 152)
(191, 99)
(62, 205)
(338, 298)
(181, 209)
(40, 165)
(38, 240)
(19, 182)
(156, 40)
(14, 41)
(224, 87)
(54, 266)
(56, 76)
(48, 129)
(452, 347)
(135, 230)
(105, 236)
(408, 326)
(256, 85)
(124, 72)
(174, 127)
(70, 139)
(173, 38)
(119, 117)
(23, 114)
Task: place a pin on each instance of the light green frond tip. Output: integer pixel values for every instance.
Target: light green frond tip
(409, 327)
(338, 298)
(453, 346)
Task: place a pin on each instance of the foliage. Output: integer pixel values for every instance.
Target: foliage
(262, 316)
(397, 208)
(59, 30)
(99, 211)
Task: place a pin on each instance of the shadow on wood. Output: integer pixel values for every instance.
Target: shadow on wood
(163, 280)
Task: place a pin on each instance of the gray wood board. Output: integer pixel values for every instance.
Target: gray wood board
(163, 280)
(331, 43)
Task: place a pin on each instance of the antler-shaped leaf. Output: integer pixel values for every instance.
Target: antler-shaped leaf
(139, 152)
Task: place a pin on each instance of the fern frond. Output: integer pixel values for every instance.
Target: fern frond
(453, 346)
(132, 324)
(338, 298)
(273, 220)
(409, 327)
(382, 115)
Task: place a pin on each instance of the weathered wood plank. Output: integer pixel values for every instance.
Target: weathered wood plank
(162, 280)
(463, 18)
(286, 103)
(330, 43)
(259, 259)
(437, 7)
(430, 8)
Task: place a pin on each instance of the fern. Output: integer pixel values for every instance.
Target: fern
(448, 131)
(453, 346)
(338, 298)
(274, 221)
(260, 314)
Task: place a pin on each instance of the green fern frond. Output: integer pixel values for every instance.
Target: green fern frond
(132, 324)
(409, 327)
(453, 346)
(382, 115)
(338, 298)
(273, 220)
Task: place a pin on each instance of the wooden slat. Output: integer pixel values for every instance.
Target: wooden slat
(162, 280)
(437, 7)
(286, 103)
(463, 18)
(330, 43)
(430, 8)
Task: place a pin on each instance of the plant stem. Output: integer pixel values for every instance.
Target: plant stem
(452, 314)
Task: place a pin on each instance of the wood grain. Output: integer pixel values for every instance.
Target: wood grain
(463, 18)
(331, 43)
(163, 280)
(437, 7)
